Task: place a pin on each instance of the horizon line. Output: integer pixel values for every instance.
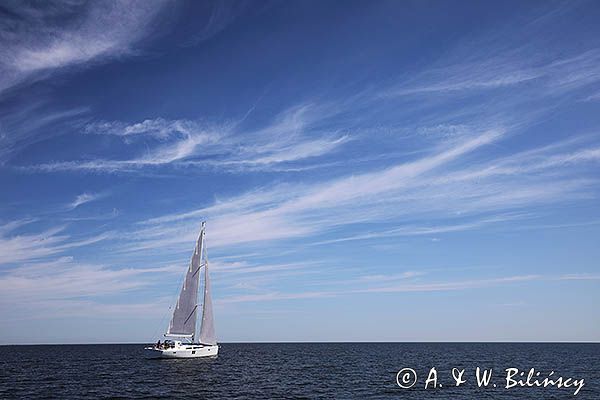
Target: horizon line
(323, 342)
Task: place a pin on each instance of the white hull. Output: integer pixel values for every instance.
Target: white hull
(183, 351)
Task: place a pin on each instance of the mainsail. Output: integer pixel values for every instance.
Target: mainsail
(183, 322)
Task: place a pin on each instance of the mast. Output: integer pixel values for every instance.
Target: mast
(207, 331)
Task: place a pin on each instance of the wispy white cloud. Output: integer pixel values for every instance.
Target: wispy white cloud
(220, 15)
(52, 308)
(592, 97)
(65, 278)
(24, 125)
(579, 277)
(488, 74)
(425, 230)
(291, 136)
(452, 285)
(264, 217)
(159, 128)
(16, 248)
(554, 77)
(185, 145)
(391, 277)
(63, 287)
(84, 198)
(38, 39)
(242, 267)
(396, 288)
(515, 55)
(96, 217)
(462, 196)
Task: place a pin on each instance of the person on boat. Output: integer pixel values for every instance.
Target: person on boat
(158, 344)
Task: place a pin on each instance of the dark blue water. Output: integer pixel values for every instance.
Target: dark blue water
(291, 371)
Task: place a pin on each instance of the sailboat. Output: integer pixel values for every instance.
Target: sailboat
(182, 328)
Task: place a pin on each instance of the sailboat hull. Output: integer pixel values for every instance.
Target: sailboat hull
(184, 351)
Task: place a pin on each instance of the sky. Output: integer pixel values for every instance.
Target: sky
(368, 171)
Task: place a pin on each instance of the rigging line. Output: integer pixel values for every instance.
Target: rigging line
(162, 323)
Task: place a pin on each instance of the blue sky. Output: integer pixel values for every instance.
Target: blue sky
(398, 171)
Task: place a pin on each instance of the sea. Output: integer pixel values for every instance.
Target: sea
(302, 371)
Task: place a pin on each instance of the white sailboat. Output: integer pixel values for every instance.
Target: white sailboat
(182, 328)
